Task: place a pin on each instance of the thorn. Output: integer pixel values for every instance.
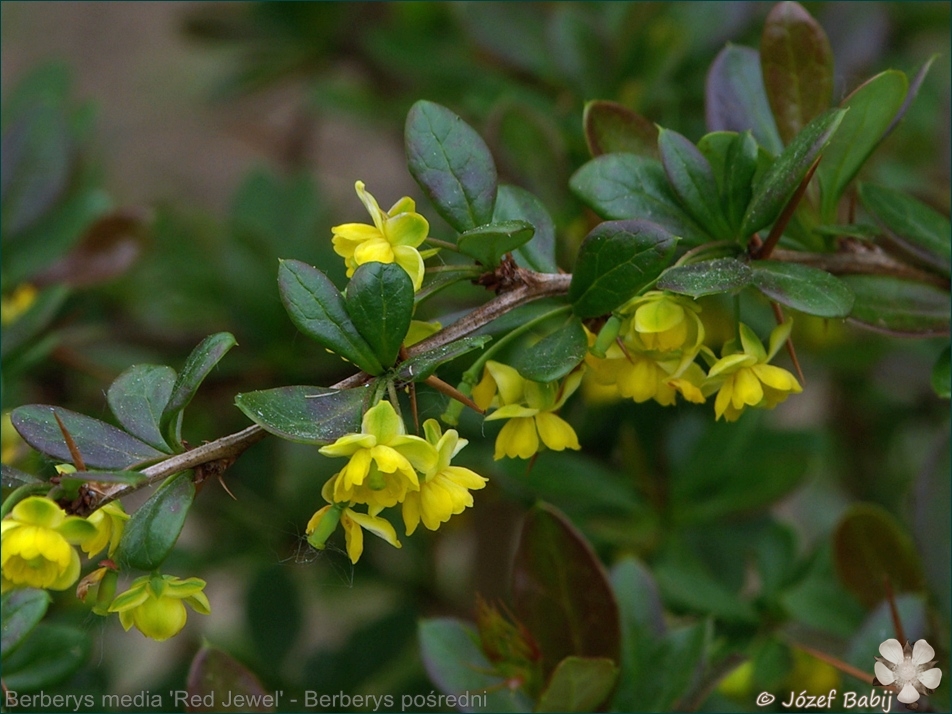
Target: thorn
(452, 392)
(532, 461)
(70, 444)
(778, 313)
(221, 480)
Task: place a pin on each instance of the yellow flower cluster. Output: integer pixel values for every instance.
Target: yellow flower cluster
(38, 540)
(388, 467)
(530, 408)
(659, 339)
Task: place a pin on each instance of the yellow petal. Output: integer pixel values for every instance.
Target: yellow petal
(373, 251)
(517, 439)
(411, 261)
(747, 389)
(510, 384)
(406, 229)
(370, 203)
(556, 433)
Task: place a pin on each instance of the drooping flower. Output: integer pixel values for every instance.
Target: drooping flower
(155, 604)
(393, 238)
(98, 589)
(909, 669)
(745, 379)
(325, 521)
(37, 545)
(444, 489)
(380, 470)
(109, 521)
(653, 358)
(530, 408)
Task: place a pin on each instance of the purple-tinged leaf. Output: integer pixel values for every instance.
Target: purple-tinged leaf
(22, 610)
(138, 397)
(693, 181)
(797, 65)
(152, 531)
(899, 306)
(804, 288)
(561, 591)
(216, 677)
(735, 99)
(612, 128)
(709, 277)
(310, 415)
(101, 445)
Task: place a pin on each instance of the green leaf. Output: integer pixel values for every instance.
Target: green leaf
(455, 663)
(942, 375)
(49, 656)
(803, 288)
(615, 261)
(489, 243)
(21, 611)
(693, 181)
(780, 181)
(421, 366)
(613, 128)
(555, 355)
(14, 478)
(138, 397)
(911, 226)
(797, 65)
(870, 546)
(561, 591)
(452, 165)
(620, 186)
(517, 204)
(734, 97)
(151, 532)
(687, 585)
(100, 445)
(708, 277)
(317, 309)
(309, 415)
(872, 107)
(199, 364)
(680, 655)
(899, 306)
(380, 303)
(579, 684)
(734, 161)
(215, 676)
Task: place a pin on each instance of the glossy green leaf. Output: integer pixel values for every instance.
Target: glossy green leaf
(456, 664)
(555, 355)
(199, 364)
(708, 277)
(734, 161)
(872, 107)
(579, 684)
(101, 445)
(870, 546)
(138, 397)
(911, 226)
(561, 591)
(489, 243)
(14, 478)
(216, 677)
(47, 657)
(735, 100)
(797, 65)
(899, 306)
(779, 182)
(422, 365)
(621, 186)
(615, 261)
(21, 611)
(309, 415)
(380, 304)
(693, 181)
(942, 375)
(452, 165)
(516, 204)
(151, 532)
(317, 309)
(803, 288)
(611, 128)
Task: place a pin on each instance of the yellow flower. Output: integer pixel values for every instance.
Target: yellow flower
(393, 238)
(155, 604)
(744, 379)
(444, 489)
(380, 470)
(325, 521)
(664, 322)
(529, 407)
(13, 307)
(109, 521)
(36, 545)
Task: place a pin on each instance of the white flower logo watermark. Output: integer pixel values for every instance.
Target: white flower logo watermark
(907, 668)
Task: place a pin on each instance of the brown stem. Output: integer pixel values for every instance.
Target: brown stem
(861, 259)
(778, 313)
(894, 611)
(844, 667)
